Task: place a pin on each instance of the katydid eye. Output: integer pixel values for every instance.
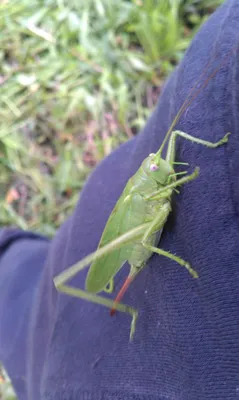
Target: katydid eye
(154, 167)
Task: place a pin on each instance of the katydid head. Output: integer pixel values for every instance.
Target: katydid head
(157, 168)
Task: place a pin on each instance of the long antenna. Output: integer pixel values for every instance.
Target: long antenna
(192, 95)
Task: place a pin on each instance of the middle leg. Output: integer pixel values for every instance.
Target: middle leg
(157, 225)
(157, 194)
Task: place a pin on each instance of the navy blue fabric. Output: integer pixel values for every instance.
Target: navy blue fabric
(186, 345)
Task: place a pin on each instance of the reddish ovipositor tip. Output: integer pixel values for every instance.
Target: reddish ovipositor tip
(121, 293)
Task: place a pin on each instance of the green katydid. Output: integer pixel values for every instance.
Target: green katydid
(133, 230)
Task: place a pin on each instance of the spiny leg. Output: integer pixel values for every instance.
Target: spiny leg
(172, 141)
(156, 225)
(61, 279)
(94, 298)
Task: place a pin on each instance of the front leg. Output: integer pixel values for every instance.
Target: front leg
(172, 143)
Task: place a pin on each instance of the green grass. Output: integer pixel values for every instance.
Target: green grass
(77, 78)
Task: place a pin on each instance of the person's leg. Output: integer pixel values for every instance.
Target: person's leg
(22, 258)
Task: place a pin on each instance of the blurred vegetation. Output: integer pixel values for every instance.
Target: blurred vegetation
(77, 78)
